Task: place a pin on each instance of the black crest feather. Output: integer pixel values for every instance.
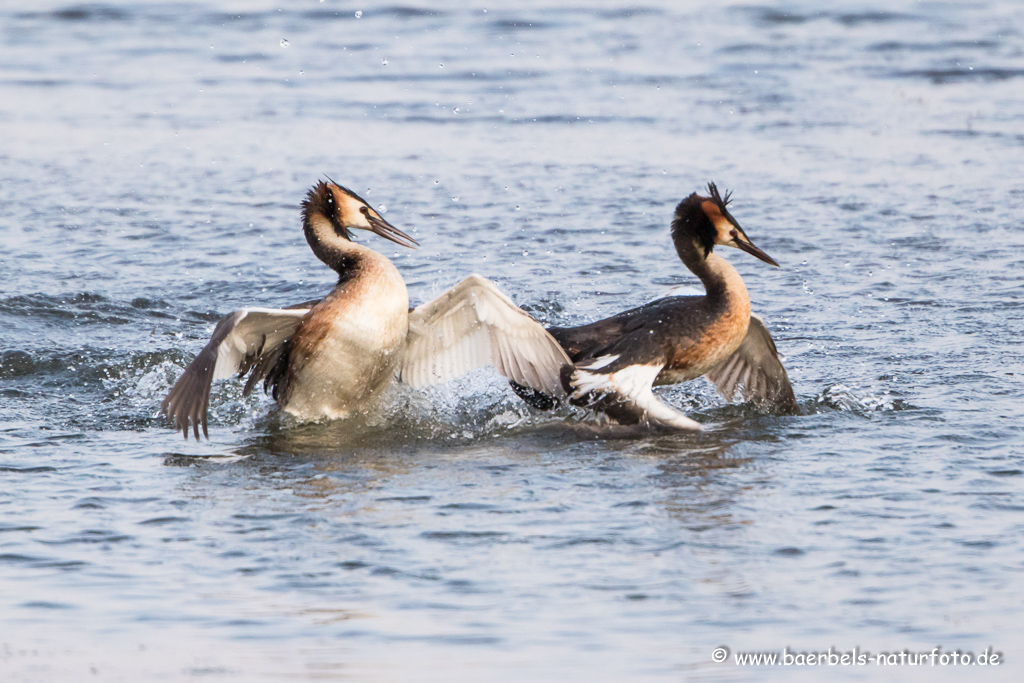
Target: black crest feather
(690, 219)
(320, 200)
(717, 198)
(347, 191)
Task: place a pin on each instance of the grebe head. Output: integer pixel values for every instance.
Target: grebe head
(348, 211)
(707, 221)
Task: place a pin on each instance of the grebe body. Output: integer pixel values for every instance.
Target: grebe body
(336, 356)
(617, 361)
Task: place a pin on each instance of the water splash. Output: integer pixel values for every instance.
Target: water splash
(843, 398)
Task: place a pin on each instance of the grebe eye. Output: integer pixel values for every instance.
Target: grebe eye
(732, 233)
(364, 210)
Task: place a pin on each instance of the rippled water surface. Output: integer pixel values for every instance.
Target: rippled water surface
(152, 159)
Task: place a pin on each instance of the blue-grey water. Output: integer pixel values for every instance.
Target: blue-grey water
(152, 160)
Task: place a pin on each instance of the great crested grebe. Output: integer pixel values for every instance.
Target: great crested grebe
(618, 360)
(333, 357)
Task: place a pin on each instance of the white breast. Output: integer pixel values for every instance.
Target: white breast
(360, 331)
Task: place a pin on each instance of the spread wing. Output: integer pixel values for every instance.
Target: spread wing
(756, 365)
(240, 340)
(473, 324)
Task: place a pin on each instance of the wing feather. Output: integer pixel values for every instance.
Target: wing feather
(240, 340)
(757, 367)
(624, 393)
(473, 324)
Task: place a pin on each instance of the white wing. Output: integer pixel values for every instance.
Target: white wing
(239, 341)
(473, 324)
(625, 394)
(757, 366)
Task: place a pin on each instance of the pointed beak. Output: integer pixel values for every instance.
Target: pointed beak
(741, 241)
(381, 227)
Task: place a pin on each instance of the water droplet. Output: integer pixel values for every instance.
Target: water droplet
(455, 197)
(436, 182)
(359, 14)
(456, 110)
(384, 61)
(440, 66)
(284, 43)
(301, 72)
(382, 208)
(517, 207)
(526, 253)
